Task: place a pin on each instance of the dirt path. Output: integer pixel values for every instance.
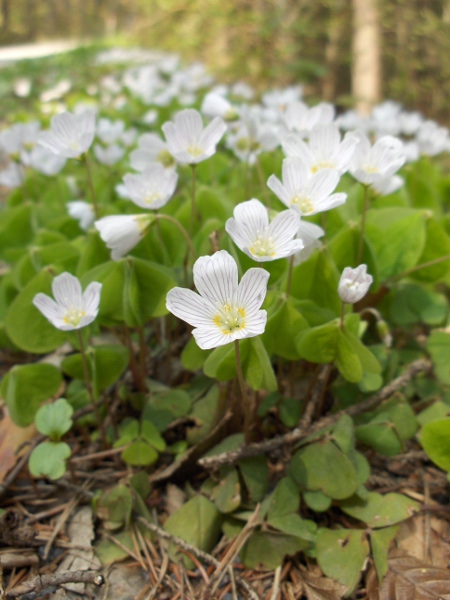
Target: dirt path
(10, 54)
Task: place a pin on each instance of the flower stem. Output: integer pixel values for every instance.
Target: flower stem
(193, 204)
(363, 225)
(245, 399)
(89, 387)
(91, 184)
(341, 321)
(182, 231)
(289, 279)
(424, 265)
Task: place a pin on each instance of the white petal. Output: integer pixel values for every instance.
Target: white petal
(216, 277)
(190, 307)
(284, 226)
(209, 337)
(49, 309)
(67, 291)
(91, 298)
(252, 290)
(212, 134)
(253, 214)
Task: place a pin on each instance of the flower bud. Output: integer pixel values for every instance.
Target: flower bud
(354, 284)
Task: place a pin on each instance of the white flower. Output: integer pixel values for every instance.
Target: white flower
(225, 310)
(325, 149)
(371, 164)
(151, 148)
(44, 161)
(12, 176)
(387, 186)
(73, 309)
(216, 105)
(309, 233)
(152, 188)
(70, 135)
(110, 155)
(81, 211)
(251, 232)
(308, 192)
(432, 139)
(252, 136)
(188, 141)
(110, 131)
(354, 284)
(121, 233)
(300, 118)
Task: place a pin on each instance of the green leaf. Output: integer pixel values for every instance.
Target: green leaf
(255, 474)
(193, 357)
(54, 419)
(106, 364)
(293, 524)
(321, 466)
(317, 501)
(26, 325)
(164, 407)
(306, 285)
(437, 245)
(281, 322)
(114, 507)
(341, 554)
(49, 459)
(258, 370)
(379, 510)
(151, 435)
(380, 541)
(284, 500)
(435, 440)
(15, 228)
(112, 277)
(398, 238)
(25, 387)
(438, 345)
(197, 522)
(268, 549)
(319, 344)
(227, 494)
(347, 359)
(140, 454)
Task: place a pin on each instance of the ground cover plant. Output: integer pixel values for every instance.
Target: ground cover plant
(224, 327)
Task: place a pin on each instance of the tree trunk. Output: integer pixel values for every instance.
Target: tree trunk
(366, 67)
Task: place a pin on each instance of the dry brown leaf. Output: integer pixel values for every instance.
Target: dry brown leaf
(318, 587)
(11, 438)
(415, 538)
(409, 579)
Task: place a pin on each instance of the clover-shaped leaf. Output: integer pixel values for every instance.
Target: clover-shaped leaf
(49, 460)
(54, 419)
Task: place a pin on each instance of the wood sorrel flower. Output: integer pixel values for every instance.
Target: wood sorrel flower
(354, 284)
(121, 233)
(152, 188)
(223, 311)
(73, 309)
(251, 232)
(70, 135)
(304, 190)
(187, 140)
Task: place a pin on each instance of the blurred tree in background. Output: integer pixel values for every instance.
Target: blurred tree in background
(272, 42)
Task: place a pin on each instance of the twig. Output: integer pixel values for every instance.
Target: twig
(207, 558)
(40, 582)
(305, 428)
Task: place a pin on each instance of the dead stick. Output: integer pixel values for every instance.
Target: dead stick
(305, 428)
(40, 582)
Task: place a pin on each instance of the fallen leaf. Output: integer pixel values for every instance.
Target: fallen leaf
(12, 438)
(412, 537)
(409, 579)
(318, 587)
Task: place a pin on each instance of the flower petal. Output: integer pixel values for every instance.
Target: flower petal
(252, 290)
(216, 277)
(67, 291)
(190, 307)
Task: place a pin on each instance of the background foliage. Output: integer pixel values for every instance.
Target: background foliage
(270, 42)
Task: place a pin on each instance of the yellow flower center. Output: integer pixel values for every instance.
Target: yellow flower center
(263, 246)
(73, 316)
(370, 169)
(304, 204)
(195, 151)
(230, 318)
(150, 198)
(322, 165)
(166, 158)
